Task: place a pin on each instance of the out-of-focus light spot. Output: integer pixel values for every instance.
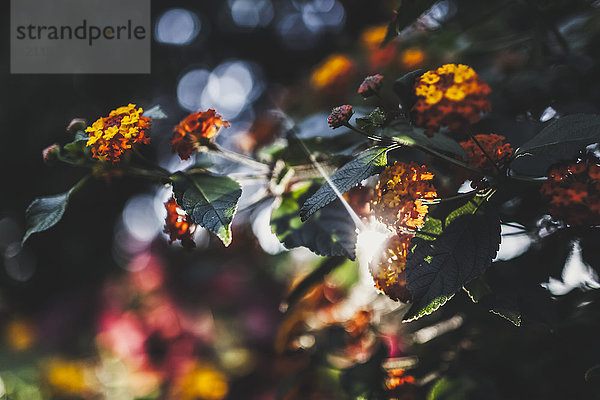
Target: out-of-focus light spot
(251, 13)
(190, 88)
(371, 240)
(575, 274)
(19, 334)
(306, 341)
(548, 114)
(424, 335)
(261, 227)
(439, 12)
(18, 262)
(230, 88)
(513, 244)
(301, 27)
(140, 219)
(177, 26)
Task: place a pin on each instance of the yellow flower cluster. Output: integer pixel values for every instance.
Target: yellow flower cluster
(398, 195)
(388, 270)
(110, 136)
(452, 96)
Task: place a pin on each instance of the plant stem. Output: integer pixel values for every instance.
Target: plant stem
(485, 153)
(451, 160)
(529, 179)
(240, 158)
(446, 199)
(365, 134)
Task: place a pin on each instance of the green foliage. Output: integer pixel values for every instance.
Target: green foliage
(561, 140)
(404, 133)
(372, 122)
(45, 212)
(210, 200)
(403, 87)
(365, 164)
(447, 254)
(331, 232)
(452, 389)
(502, 303)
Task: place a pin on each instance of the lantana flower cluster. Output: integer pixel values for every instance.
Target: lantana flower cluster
(110, 137)
(399, 193)
(196, 130)
(452, 96)
(573, 193)
(388, 270)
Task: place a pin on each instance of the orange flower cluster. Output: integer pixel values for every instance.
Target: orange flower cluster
(397, 196)
(493, 145)
(110, 136)
(333, 75)
(397, 378)
(573, 193)
(179, 225)
(378, 57)
(196, 130)
(452, 96)
(388, 269)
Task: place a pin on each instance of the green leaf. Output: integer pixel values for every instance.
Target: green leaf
(45, 212)
(404, 88)
(437, 269)
(210, 200)
(331, 232)
(367, 163)
(561, 140)
(499, 301)
(78, 145)
(404, 133)
(155, 113)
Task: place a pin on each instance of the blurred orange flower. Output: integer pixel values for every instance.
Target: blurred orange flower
(203, 382)
(333, 74)
(453, 96)
(387, 270)
(397, 196)
(412, 58)
(179, 225)
(196, 130)
(573, 193)
(371, 39)
(19, 334)
(111, 136)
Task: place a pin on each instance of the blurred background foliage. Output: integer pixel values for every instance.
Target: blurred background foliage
(102, 307)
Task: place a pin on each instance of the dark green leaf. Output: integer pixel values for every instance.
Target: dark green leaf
(404, 88)
(322, 148)
(501, 301)
(402, 132)
(561, 140)
(437, 269)
(210, 200)
(155, 113)
(331, 232)
(367, 163)
(45, 212)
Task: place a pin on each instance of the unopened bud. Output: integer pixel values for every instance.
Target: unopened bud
(340, 116)
(370, 85)
(76, 124)
(50, 154)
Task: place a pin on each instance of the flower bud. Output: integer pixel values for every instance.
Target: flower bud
(340, 116)
(50, 154)
(76, 124)
(370, 85)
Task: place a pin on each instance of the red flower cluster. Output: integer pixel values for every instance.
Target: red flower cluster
(370, 85)
(179, 225)
(397, 196)
(340, 116)
(573, 193)
(388, 270)
(196, 130)
(493, 145)
(452, 96)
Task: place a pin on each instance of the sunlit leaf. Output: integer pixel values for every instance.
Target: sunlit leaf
(367, 163)
(331, 232)
(210, 200)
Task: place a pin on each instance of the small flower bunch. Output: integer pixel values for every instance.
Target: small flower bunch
(573, 192)
(387, 270)
(196, 130)
(399, 193)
